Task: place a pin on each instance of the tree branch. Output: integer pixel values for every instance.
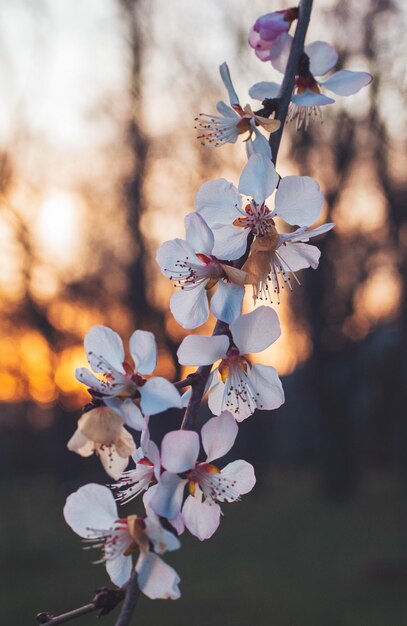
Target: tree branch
(202, 373)
(297, 48)
(130, 601)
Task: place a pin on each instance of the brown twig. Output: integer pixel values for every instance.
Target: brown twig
(297, 48)
(104, 601)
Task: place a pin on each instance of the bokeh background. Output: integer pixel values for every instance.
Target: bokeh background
(98, 166)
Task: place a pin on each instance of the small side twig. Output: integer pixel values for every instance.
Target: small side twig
(104, 601)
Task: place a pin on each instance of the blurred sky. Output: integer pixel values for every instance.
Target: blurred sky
(67, 101)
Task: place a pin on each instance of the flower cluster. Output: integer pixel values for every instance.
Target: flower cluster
(251, 236)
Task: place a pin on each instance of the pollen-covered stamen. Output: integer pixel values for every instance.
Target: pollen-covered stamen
(257, 217)
(186, 273)
(213, 484)
(239, 391)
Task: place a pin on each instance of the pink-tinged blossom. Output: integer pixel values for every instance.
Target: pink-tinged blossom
(207, 484)
(233, 121)
(237, 385)
(192, 266)
(319, 59)
(120, 380)
(265, 35)
(232, 218)
(91, 512)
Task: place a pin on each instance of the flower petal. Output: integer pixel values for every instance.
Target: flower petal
(346, 82)
(218, 435)
(87, 378)
(227, 111)
(242, 473)
(157, 395)
(168, 495)
(230, 241)
(132, 415)
(196, 350)
(323, 57)
(162, 540)
(298, 256)
(179, 450)
(305, 234)
(299, 200)
(113, 463)
(201, 518)
(190, 306)
(198, 234)
(104, 348)
(310, 99)
(89, 509)
(258, 145)
(227, 81)
(170, 253)
(226, 304)
(119, 569)
(156, 579)
(264, 89)
(218, 201)
(257, 330)
(258, 178)
(280, 52)
(143, 350)
(267, 384)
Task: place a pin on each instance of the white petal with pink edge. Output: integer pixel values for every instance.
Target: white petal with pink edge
(156, 579)
(346, 82)
(202, 518)
(143, 350)
(179, 450)
(90, 508)
(258, 178)
(299, 200)
(195, 350)
(104, 349)
(218, 435)
(323, 57)
(256, 331)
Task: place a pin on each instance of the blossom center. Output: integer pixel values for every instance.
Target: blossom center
(214, 485)
(258, 218)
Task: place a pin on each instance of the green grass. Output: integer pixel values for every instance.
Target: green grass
(282, 557)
